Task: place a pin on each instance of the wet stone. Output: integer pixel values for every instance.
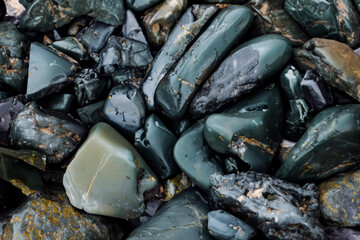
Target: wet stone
(131, 29)
(290, 79)
(95, 35)
(185, 31)
(124, 109)
(92, 113)
(180, 126)
(281, 210)
(177, 89)
(183, 216)
(71, 47)
(49, 71)
(141, 5)
(231, 165)
(129, 76)
(224, 226)
(160, 20)
(32, 157)
(195, 157)
(330, 145)
(9, 108)
(108, 176)
(156, 143)
(13, 57)
(296, 119)
(59, 102)
(302, 60)
(339, 200)
(176, 185)
(54, 133)
(335, 233)
(121, 52)
(88, 86)
(244, 70)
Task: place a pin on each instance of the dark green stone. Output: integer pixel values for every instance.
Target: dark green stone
(59, 102)
(296, 119)
(13, 57)
(330, 145)
(88, 87)
(160, 20)
(224, 226)
(156, 143)
(141, 5)
(195, 157)
(129, 76)
(335, 19)
(179, 40)
(31, 157)
(177, 89)
(250, 129)
(54, 133)
(71, 47)
(180, 126)
(49, 71)
(92, 113)
(248, 66)
(131, 29)
(183, 216)
(290, 79)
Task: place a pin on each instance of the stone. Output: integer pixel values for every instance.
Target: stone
(315, 91)
(296, 119)
(246, 68)
(335, 233)
(224, 226)
(141, 5)
(49, 71)
(329, 146)
(108, 176)
(59, 102)
(357, 4)
(283, 151)
(78, 24)
(195, 158)
(31, 157)
(335, 19)
(180, 38)
(129, 76)
(339, 202)
(179, 86)
(290, 79)
(125, 109)
(175, 185)
(9, 108)
(159, 20)
(71, 47)
(231, 165)
(302, 60)
(180, 126)
(14, 11)
(54, 133)
(13, 57)
(281, 210)
(182, 216)
(88, 86)
(2, 9)
(92, 113)
(10, 197)
(121, 52)
(337, 64)
(131, 29)
(250, 130)
(95, 35)
(156, 143)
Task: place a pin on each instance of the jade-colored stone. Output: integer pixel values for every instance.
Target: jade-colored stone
(49, 71)
(337, 64)
(177, 89)
(195, 157)
(141, 5)
(160, 20)
(188, 27)
(245, 69)
(156, 143)
(59, 102)
(250, 130)
(71, 47)
(108, 176)
(329, 146)
(335, 19)
(131, 29)
(290, 79)
(92, 113)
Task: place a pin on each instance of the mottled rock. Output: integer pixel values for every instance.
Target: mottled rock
(179, 86)
(281, 210)
(335, 233)
(57, 135)
(14, 10)
(92, 113)
(330, 145)
(71, 47)
(177, 184)
(49, 71)
(129, 76)
(195, 157)
(131, 29)
(283, 151)
(141, 5)
(183, 216)
(88, 87)
(108, 176)
(13, 57)
(59, 102)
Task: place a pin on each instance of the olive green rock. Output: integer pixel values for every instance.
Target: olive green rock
(108, 176)
(160, 20)
(141, 5)
(71, 47)
(339, 200)
(177, 89)
(195, 157)
(335, 19)
(330, 145)
(337, 64)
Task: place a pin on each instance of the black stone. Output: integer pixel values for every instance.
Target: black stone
(2, 10)
(129, 75)
(92, 113)
(131, 28)
(281, 210)
(296, 119)
(336, 233)
(59, 102)
(71, 47)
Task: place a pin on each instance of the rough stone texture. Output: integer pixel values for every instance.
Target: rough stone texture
(88, 87)
(57, 135)
(335, 233)
(281, 210)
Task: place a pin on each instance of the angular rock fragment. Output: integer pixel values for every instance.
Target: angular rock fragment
(88, 87)
(281, 210)
(141, 5)
(176, 185)
(129, 76)
(92, 113)
(57, 135)
(107, 175)
(71, 47)
(59, 102)
(49, 71)
(183, 216)
(335, 233)
(330, 145)
(290, 79)
(131, 29)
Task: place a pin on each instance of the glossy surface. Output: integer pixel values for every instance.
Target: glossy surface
(131, 29)
(88, 86)
(141, 5)
(290, 79)
(71, 47)
(92, 113)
